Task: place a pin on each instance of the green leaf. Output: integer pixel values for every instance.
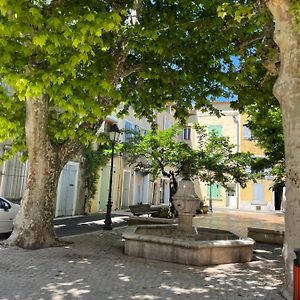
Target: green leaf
(40, 40)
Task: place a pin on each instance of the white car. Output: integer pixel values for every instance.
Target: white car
(8, 212)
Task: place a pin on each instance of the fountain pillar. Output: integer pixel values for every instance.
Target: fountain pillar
(186, 202)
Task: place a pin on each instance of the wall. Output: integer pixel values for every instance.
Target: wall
(246, 194)
(230, 128)
(125, 180)
(246, 144)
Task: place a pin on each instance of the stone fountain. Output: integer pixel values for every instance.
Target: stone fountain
(186, 202)
(184, 244)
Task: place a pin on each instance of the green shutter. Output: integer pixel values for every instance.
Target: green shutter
(216, 128)
(214, 191)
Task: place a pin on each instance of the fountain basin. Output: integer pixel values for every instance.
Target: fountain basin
(167, 243)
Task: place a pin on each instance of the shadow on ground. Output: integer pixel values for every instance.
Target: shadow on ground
(94, 267)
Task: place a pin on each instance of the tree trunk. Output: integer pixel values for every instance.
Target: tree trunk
(33, 227)
(287, 91)
(173, 190)
(278, 191)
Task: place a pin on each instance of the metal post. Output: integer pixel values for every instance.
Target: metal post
(297, 275)
(210, 199)
(107, 222)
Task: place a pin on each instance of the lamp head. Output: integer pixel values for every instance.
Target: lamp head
(114, 133)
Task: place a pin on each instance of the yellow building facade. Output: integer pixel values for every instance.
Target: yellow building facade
(226, 125)
(257, 195)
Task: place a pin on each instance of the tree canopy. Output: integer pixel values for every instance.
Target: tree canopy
(66, 65)
(88, 57)
(213, 160)
(265, 123)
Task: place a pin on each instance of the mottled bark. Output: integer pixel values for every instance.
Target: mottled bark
(173, 190)
(33, 227)
(287, 91)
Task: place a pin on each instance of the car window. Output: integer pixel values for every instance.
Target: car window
(4, 204)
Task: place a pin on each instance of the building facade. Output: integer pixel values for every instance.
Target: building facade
(232, 124)
(257, 195)
(131, 187)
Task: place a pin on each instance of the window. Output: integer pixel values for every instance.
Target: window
(268, 174)
(4, 205)
(248, 170)
(138, 132)
(187, 133)
(246, 132)
(215, 128)
(166, 122)
(128, 127)
(137, 129)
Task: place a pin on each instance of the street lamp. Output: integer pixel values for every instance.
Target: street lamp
(210, 199)
(114, 133)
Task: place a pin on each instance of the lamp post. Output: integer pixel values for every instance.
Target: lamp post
(114, 133)
(210, 199)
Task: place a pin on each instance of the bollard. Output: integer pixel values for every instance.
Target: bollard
(297, 275)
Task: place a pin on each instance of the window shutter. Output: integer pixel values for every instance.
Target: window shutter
(214, 191)
(246, 132)
(216, 128)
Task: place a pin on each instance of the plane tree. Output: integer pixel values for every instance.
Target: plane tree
(66, 65)
(269, 57)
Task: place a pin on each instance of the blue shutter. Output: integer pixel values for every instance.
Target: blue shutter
(258, 193)
(246, 132)
(216, 128)
(214, 191)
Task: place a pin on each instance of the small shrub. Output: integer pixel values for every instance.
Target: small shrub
(163, 213)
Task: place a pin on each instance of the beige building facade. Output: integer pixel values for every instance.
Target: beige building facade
(129, 186)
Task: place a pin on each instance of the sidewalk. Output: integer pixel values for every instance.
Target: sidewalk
(94, 267)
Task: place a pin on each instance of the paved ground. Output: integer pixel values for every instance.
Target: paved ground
(94, 267)
(239, 221)
(84, 224)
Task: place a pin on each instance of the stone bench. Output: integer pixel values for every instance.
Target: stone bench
(267, 236)
(134, 220)
(142, 209)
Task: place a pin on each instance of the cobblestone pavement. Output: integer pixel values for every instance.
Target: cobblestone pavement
(94, 267)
